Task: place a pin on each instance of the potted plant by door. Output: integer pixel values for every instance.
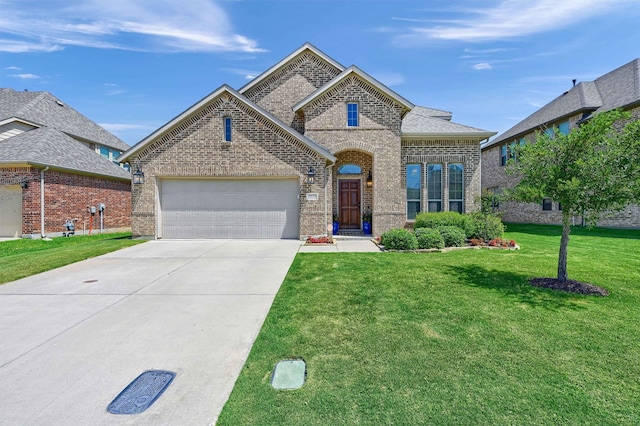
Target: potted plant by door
(336, 224)
(366, 222)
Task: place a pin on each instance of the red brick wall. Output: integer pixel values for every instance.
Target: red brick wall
(67, 197)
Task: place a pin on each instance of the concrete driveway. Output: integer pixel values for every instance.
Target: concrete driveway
(72, 339)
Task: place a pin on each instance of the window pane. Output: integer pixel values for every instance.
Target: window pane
(227, 129)
(349, 169)
(413, 208)
(434, 187)
(503, 155)
(352, 115)
(546, 204)
(564, 127)
(414, 189)
(455, 206)
(456, 187)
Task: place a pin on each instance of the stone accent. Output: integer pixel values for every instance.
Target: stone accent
(67, 197)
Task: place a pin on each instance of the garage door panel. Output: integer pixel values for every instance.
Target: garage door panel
(11, 211)
(230, 208)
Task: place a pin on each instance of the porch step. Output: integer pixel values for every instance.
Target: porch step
(352, 234)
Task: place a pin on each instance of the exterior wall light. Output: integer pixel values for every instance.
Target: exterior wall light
(138, 176)
(369, 180)
(311, 176)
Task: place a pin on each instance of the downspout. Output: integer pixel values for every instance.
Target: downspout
(327, 172)
(42, 233)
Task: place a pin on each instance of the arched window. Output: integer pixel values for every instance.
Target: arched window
(349, 169)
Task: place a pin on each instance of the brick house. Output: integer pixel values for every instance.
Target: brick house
(619, 88)
(54, 164)
(304, 141)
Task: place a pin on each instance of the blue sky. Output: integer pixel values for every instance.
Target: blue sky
(132, 65)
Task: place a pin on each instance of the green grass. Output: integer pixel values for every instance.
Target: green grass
(453, 338)
(25, 257)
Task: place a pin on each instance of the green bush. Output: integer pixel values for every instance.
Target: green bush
(485, 227)
(429, 238)
(452, 235)
(399, 239)
(436, 219)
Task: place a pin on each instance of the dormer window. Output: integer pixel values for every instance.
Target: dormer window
(227, 129)
(352, 114)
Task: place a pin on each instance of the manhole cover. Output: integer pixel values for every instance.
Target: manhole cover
(289, 374)
(141, 393)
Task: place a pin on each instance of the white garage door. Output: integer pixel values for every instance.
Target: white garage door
(10, 211)
(266, 208)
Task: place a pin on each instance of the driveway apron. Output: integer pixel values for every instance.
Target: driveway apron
(73, 338)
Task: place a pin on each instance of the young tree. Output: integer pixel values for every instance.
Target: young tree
(593, 169)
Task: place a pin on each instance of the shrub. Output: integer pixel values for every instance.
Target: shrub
(452, 235)
(484, 227)
(399, 239)
(436, 219)
(429, 238)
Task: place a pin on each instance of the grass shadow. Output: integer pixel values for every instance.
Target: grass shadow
(517, 287)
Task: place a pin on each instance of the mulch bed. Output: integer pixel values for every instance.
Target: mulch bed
(569, 286)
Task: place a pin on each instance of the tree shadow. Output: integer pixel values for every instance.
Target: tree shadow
(556, 231)
(516, 286)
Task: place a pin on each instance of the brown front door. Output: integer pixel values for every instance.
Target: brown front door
(349, 194)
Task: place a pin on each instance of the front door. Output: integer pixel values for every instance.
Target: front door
(349, 199)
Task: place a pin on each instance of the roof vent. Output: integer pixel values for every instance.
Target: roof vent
(59, 103)
(574, 82)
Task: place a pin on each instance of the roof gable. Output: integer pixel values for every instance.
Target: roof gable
(44, 109)
(203, 103)
(49, 147)
(358, 73)
(307, 47)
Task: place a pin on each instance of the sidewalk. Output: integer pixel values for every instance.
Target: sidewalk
(342, 244)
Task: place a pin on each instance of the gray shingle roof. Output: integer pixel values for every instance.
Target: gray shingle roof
(42, 108)
(46, 146)
(617, 89)
(421, 121)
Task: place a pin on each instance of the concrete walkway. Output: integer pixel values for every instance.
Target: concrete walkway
(342, 244)
(73, 338)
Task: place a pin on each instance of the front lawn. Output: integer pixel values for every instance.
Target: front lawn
(25, 257)
(453, 338)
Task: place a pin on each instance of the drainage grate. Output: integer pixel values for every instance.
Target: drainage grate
(141, 393)
(289, 374)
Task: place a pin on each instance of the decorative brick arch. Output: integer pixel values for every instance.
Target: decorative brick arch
(353, 146)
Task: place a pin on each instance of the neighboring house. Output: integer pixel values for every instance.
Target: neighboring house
(54, 165)
(619, 88)
(305, 140)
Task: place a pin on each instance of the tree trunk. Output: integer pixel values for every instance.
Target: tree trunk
(564, 243)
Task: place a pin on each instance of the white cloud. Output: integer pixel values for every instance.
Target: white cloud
(13, 68)
(516, 18)
(482, 66)
(25, 76)
(142, 25)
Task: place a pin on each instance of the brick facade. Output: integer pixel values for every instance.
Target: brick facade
(194, 146)
(67, 197)
(495, 178)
